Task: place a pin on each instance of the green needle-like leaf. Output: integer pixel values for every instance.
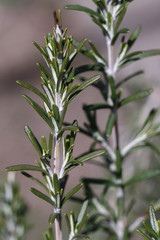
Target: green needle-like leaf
(72, 192)
(67, 128)
(110, 123)
(134, 36)
(136, 96)
(120, 18)
(44, 144)
(97, 106)
(34, 90)
(91, 155)
(50, 144)
(56, 183)
(148, 122)
(99, 181)
(41, 49)
(52, 218)
(139, 55)
(96, 51)
(153, 219)
(143, 176)
(56, 112)
(149, 229)
(24, 167)
(82, 212)
(39, 110)
(35, 180)
(48, 235)
(85, 51)
(126, 79)
(80, 236)
(45, 74)
(144, 234)
(83, 85)
(42, 196)
(84, 9)
(89, 67)
(33, 140)
(121, 31)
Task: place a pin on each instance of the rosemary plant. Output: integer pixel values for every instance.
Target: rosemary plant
(112, 216)
(13, 210)
(56, 158)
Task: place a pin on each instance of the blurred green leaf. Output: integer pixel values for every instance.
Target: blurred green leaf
(120, 18)
(99, 181)
(148, 122)
(97, 106)
(142, 176)
(52, 218)
(110, 123)
(134, 36)
(80, 236)
(139, 55)
(136, 96)
(48, 235)
(113, 88)
(121, 31)
(82, 212)
(89, 67)
(129, 78)
(153, 147)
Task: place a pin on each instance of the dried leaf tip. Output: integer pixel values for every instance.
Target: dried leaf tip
(57, 19)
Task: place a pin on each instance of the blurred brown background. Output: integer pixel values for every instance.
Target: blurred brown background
(21, 22)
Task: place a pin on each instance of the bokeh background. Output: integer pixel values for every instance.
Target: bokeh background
(24, 21)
